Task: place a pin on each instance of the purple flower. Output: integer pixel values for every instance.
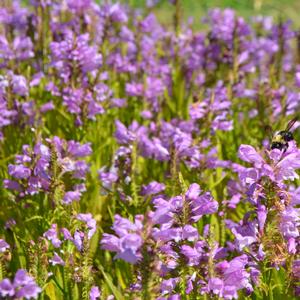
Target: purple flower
(66, 233)
(3, 246)
(74, 51)
(110, 242)
(56, 260)
(71, 196)
(12, 185)
(190, 233)
(47, 107)
(216, 285)
(6, 288)
(115, 12)
(193, 254)
(233, 278)
(90, 223)
(297, 79)
(129, 241)
(287, 166)
(19, 171)
(108, 178)
(79, 5)
(19, 85)
(78, 239)
(193, 191)
(152, 188)
(123, 135)
(51, 235)
(168, 285)
(248, 153)
(23, 286)
(29, 291)
(33, 172)
(203, 205)
(77, 150)
(236, 275)
(94, 293)
(134, 89)
(289, 222)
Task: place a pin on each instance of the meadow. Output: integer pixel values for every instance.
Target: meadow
(148, 155)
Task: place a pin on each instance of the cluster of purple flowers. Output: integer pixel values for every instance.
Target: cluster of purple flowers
(174, 244)
(89, 228)
(23, 286)
(37, 169)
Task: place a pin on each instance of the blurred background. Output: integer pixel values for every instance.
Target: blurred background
(285, 9)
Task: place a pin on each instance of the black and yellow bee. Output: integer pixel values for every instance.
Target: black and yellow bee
(282, 138)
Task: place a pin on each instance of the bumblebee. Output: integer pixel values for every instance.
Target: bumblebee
(282, 138)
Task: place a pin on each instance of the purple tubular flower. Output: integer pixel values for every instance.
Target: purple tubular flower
(193, 191)
(23, 286)
(6, 288)
(19, 171)
(12, 185)
(130, 245)
(203, 205)
(190, 233)
(90, 222)
(110, 242)
(94, 293)
(129, 240)
(122, 134)
(21, 278)
(77, 150)
(32, 169)
(19, 85)
(290, 221)
(51, 235)
(134, 89)
(47, 107)
(108, 178)
(248, 153)
(216, 285)
(66, 233)
(200, 204)
(261, 217)
(78, 239)
(74, 51)
(117, 13)
(152, 188)
(193, 254)
(79, 5)
(56, 260)
(29, 291)
(3, 246)
(233, 278)
(71, 196)
(163, 211)
(287, 166)
(168, 285)
(169, 234)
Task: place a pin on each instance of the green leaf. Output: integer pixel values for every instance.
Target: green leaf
(109, 282)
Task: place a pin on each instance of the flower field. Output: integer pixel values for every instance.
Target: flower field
(145, 161)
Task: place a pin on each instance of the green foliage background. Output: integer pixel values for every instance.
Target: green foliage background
(197, 8)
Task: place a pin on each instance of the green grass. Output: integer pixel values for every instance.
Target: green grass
(288, 9)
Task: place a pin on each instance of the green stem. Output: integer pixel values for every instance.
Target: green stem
(134, 186)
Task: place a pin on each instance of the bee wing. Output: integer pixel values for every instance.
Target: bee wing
(269, 131)
(291, 124)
